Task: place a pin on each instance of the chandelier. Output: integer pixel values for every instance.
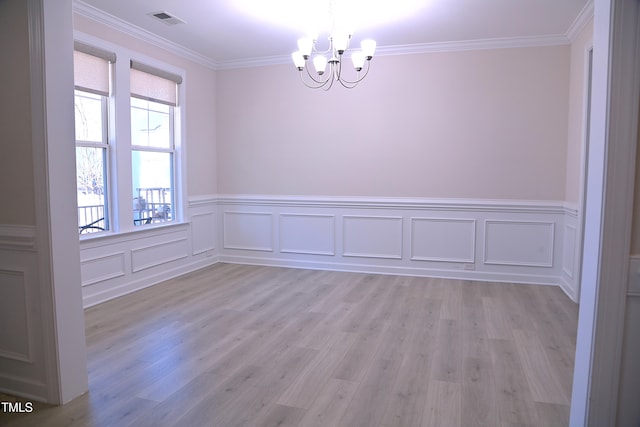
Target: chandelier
(332, 57)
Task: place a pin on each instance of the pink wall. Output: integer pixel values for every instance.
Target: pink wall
(16, 157)
(474, 124)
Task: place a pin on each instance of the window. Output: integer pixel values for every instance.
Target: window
(126, 170)
(153, 100)
(92, 82)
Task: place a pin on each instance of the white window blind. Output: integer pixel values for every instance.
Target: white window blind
(91, 68)
(153, 84)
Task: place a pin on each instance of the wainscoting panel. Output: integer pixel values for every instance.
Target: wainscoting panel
(14, 333)
(494, 240)
(519, 243)
(372, 236)
(157, 254)
(307, 234)
(443, 239)
(113, 265)
(504, 240)
(23, 359)
(248, 231)
(203, 232)
(101, 268)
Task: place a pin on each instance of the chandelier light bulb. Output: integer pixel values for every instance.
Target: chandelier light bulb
(368, 48)
(305, 46)
(320, 64)
(340, 41)
(298, 60)
(357, 58)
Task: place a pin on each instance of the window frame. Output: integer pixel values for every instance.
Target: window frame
(104, 145)
(120, 148)
(170, 150)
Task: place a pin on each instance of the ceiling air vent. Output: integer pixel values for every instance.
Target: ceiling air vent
(166, 18)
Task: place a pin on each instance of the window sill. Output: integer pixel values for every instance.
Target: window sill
(107, 237)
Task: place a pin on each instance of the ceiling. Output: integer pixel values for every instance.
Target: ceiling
(225, 33)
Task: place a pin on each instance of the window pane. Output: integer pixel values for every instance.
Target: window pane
(91, 167)
(89, 117)
(150, 124)
(152, 187)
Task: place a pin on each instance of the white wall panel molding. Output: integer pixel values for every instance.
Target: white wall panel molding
(312, 234)
(202, 200)
(519, 243)
(15, 333)
(105, 291)
(248, 230)
(17, 237)
(443, 239)
(422, 204)
(157, 254)
(113, 265)
(203, 232)
(372, 236)
(497, 240)
(102, 268)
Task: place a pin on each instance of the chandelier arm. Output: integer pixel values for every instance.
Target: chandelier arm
(351, 84)
(317, 84)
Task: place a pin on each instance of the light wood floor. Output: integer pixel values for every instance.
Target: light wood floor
(236, 345)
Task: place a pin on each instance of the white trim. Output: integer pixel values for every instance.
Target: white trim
(226, 245)
(581, 20)
(609, 207)
(27, 357)
(104, 277)
(418, 48)
(470, 260)
(473, 275)
(17, 237)
(204, 200)
(332, 252)
(482, 205)
(135, 268)
(494, 261)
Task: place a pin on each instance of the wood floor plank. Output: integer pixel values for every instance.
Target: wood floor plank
(478, 397)
(443, 405)
(515, 402)
(237, 345)
(330, 404)
(543, 383)
(447, 361)
(369, 403)
(304, 389)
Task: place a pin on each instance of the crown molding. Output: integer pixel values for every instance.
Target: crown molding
(453, 46)
(88, 11)
(581, 21)
(98, 15)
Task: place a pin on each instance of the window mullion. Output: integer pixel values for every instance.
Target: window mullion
(121, 150)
